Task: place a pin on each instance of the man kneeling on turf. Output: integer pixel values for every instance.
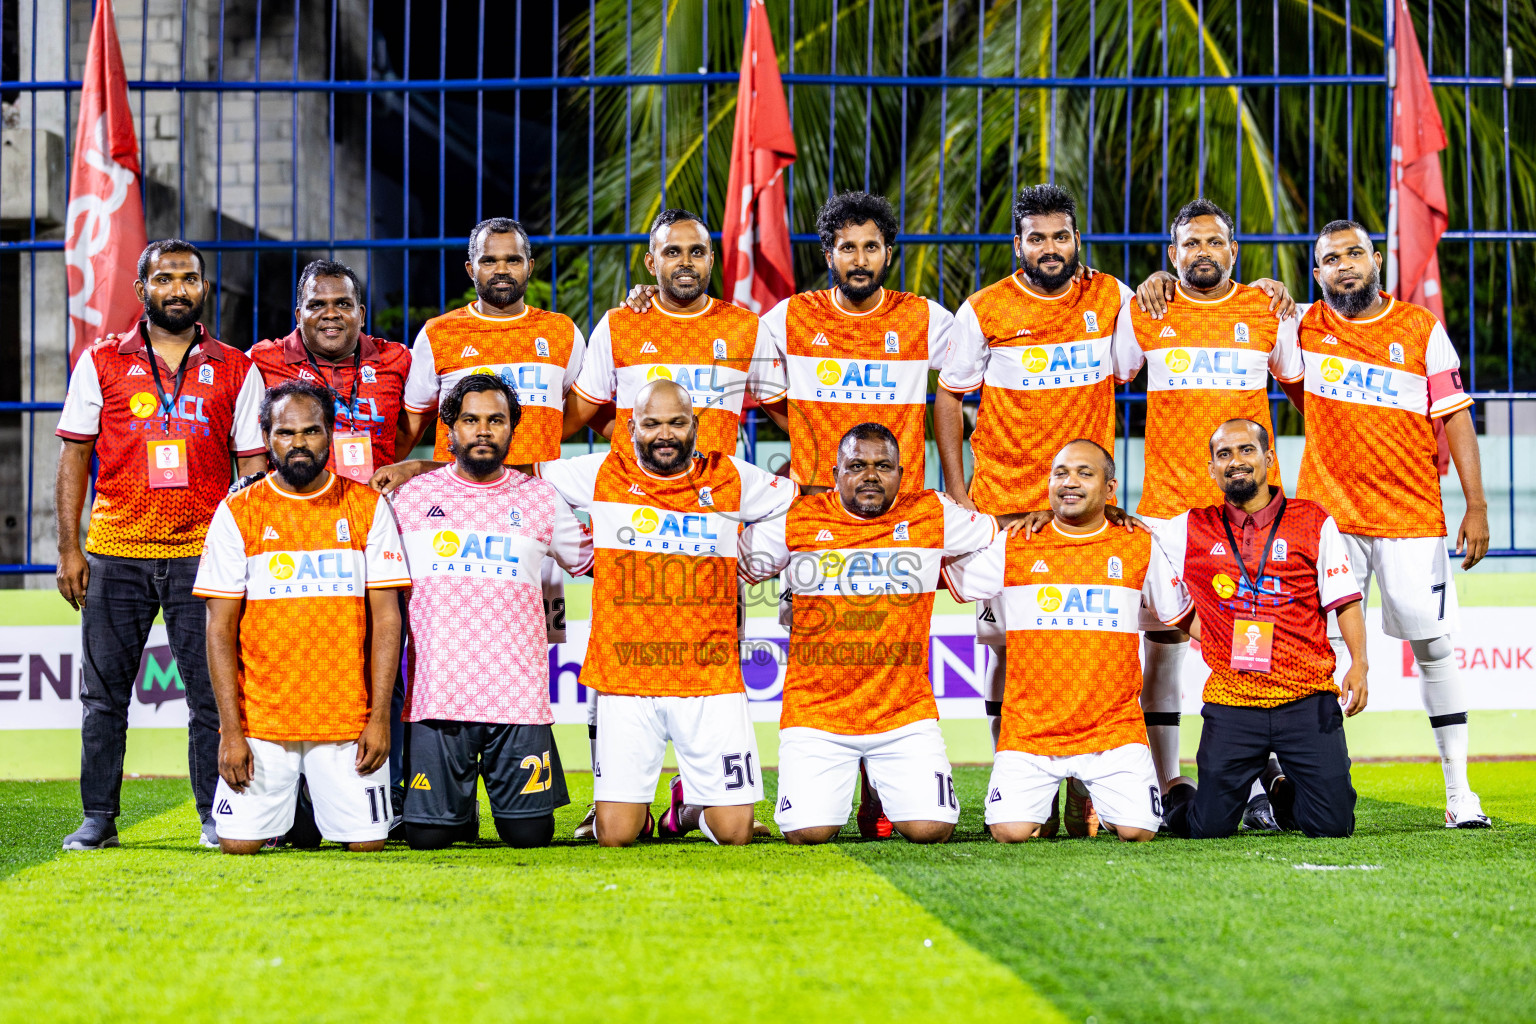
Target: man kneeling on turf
(477, 686)
(1073, 596)
(863, 566)
(1264, 571)
(300, 572)
(663, 655)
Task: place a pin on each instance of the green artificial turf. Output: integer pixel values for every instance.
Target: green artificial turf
(1419, 924)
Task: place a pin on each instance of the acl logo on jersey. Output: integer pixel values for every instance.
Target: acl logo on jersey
(328, 573)
(853, 374)
(703, 382)
(527, 379)
(187, 408)
(1048, 366)
(863, 572)
(1365, 384)
(468, 553)
(1215, 368)
(652, 529)
(1066, 606)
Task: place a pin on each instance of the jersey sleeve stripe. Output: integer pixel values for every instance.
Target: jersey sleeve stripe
(1440, 414)
(1292, 380)
(1181, 616)
(1341, 602)
(209, 592)
(967, 389)
(248, 452)
(400, 581)
(595, 401)
(408, 407)
(70, 435)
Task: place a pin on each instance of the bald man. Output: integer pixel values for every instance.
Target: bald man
(663, 655)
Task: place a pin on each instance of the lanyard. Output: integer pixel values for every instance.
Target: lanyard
(357, 362)
(168, 401)
(1263, 555)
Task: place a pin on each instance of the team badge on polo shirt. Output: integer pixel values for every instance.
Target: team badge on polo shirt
(720, 351)
(515, 518)
(1240, 333)
(892, 343)
(1395, 353)
(1277, 553)
(343, 532)
(901, 531)
(1091, 322)
(706, 499)
(368, 375)
(205, 373)
(1116, 570)
(541, 347)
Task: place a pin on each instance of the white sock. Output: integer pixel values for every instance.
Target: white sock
(1257, 789)
(997, 678)
(592, 724)
(1445, 701)
(704, 827)
(1162, 664)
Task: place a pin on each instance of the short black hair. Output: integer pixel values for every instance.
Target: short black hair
(1201, 207)
(676, 215)
(1263, 433)
(1109, 460)
(1334, 226)
(299, 389)
(871, 432)
(1037, 200)
(848, 208)
(327, 268)
(451, 405)
(497, 226)
(164, 247)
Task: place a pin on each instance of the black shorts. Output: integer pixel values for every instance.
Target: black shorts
(520, 763)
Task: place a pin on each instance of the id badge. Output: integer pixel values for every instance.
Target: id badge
(1252, 640)
(168, 463)
(352, 456)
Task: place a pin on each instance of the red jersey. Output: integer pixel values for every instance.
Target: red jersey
(112, 401)
(1373, 389)
(377, 370)
(1307, 576)
(1049, 364)
(844, 368)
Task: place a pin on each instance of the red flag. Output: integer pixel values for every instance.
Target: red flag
(104, 224)
(1417, 212)
(757, 267)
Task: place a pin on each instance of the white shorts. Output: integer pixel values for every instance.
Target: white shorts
(716, 748)
(1122, 783)
(552, 581)
(1418, 596)
(349, 808)
(908, 767)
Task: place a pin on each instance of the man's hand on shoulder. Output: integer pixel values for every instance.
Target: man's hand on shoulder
(1154, 294)
(640, 296)
(242, 482)
(1280, 302)
(1118, 516)
(1026, 523)
(386, 479)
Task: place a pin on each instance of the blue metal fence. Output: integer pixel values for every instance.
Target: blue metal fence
(532, 124)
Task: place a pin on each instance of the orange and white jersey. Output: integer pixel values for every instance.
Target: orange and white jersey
(537, 353)
(1373, 388)
(1049, 365)
(664, 599)
(1072, 605)
(863, 589)
(719, 354)
(1208, 361)
(303, 564)
(844, 368)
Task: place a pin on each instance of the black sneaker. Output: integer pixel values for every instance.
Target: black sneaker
(1260, 816)
(93, 834)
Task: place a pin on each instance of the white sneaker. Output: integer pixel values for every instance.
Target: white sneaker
(1466, 811)
(209, 838)
(588, 827)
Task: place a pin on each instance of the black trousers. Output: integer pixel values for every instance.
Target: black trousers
(1307, 735)
(120, 605)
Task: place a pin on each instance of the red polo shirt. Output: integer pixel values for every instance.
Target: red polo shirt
(112, 401)
(379, 367)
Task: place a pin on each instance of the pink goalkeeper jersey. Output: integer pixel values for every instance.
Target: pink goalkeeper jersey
(477, 638)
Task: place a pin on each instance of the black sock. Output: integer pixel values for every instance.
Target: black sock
(304, 834)
(431, 837)
(526, 833)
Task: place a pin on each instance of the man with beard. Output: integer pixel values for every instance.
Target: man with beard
(1075, 595)
(476, 536)
(1042, 341)
(1258, 576)
(715, 350)
(161, 409)
(863, 562)
(1379, 372)
(1210, 350)
(366, 375)
(299, 571)
(663, 656)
